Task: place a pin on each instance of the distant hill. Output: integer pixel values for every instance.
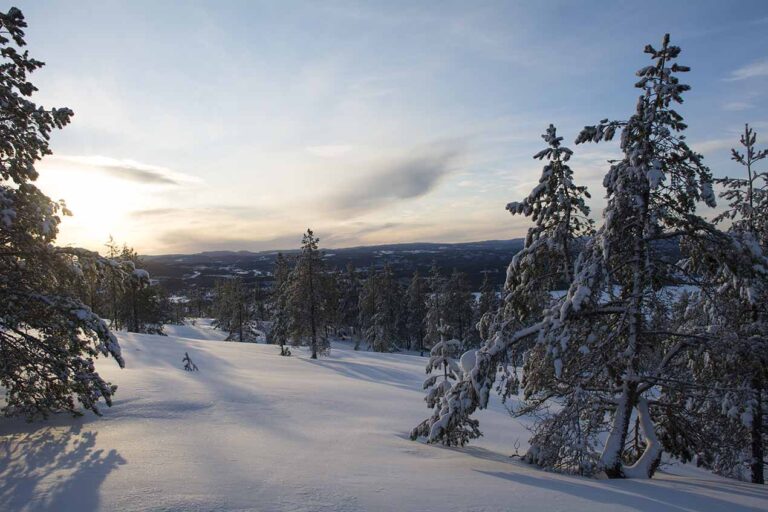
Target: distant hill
(177, 271)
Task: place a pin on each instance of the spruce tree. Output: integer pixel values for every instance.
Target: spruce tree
(732, 313)
(487, 305)
(529, 278)
(366, 308)
(388, 301)
(459, 310)
(434, 317)
(280, 306)
(349, 309)
(442, 370)
(416, 311)
(306, 297)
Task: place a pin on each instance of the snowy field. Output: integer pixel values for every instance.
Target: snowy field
(256, 431)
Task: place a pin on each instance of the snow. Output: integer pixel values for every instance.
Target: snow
(256, 431)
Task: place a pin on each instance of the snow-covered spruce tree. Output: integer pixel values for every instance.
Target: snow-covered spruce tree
(48, 337)
(732, 312)
(487, 306)
(385, 330)
(747, 197)
(459, 309)
(434, 316)
(349, 309)
(442, 369)
(280, 306)
(306, 299)
(331, 293)
(234, 310)
(530, 275)
(416, 311)
(367, 308)
(603, 341)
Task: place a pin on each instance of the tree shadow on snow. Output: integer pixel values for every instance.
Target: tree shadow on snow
(53, 468)
(645, 495)
(371, 373)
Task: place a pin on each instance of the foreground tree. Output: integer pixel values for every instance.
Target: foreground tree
(48, 336)
(442, 370)
(609, 345)
(530, 275)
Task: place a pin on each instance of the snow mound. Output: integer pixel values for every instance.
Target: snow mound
(256, 431)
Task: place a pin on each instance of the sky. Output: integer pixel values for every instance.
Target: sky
(238, 125)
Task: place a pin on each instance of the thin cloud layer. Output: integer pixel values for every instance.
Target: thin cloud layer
(401, 179)
(128, 170)
(755, 69)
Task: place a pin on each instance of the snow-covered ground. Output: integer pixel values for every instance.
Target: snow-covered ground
(255, 431)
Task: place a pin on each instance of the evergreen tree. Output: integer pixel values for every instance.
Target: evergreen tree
(349, 308)
(732, 312)
(442, 369)
(280, 306)
(384, 334)
(234, 311)
(459, 310)
(48, 337)
(367, 308)
(332, 298)
(487, 305)
(747, 197)
(529, 278)
(434, 317)
(603, 343)
(306, 297)
(416, 311)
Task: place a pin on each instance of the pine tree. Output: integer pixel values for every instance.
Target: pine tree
(306, 297)
(442, 369)
(487, 305)
(459, 310)
(416, 311)
(603, 343)
(367, 308)
(48, 337)
(331, 293)
(434, 317)
(349, 310)
(747, 197)
(385, 332)
(733, 313)
(561, 219)
(280, 306)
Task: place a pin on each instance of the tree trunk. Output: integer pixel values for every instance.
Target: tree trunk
(758, 453)
(610, 459)
(649, 461)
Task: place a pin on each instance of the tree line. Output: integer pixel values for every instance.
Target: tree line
(309, 304)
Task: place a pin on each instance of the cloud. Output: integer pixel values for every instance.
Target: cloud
(329, 151)
(755, 69)
(400, 179)
(184, 240)
(128, 170)
(712, 146)
(735, 106)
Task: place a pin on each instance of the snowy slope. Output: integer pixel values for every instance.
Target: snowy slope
(256, 431)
